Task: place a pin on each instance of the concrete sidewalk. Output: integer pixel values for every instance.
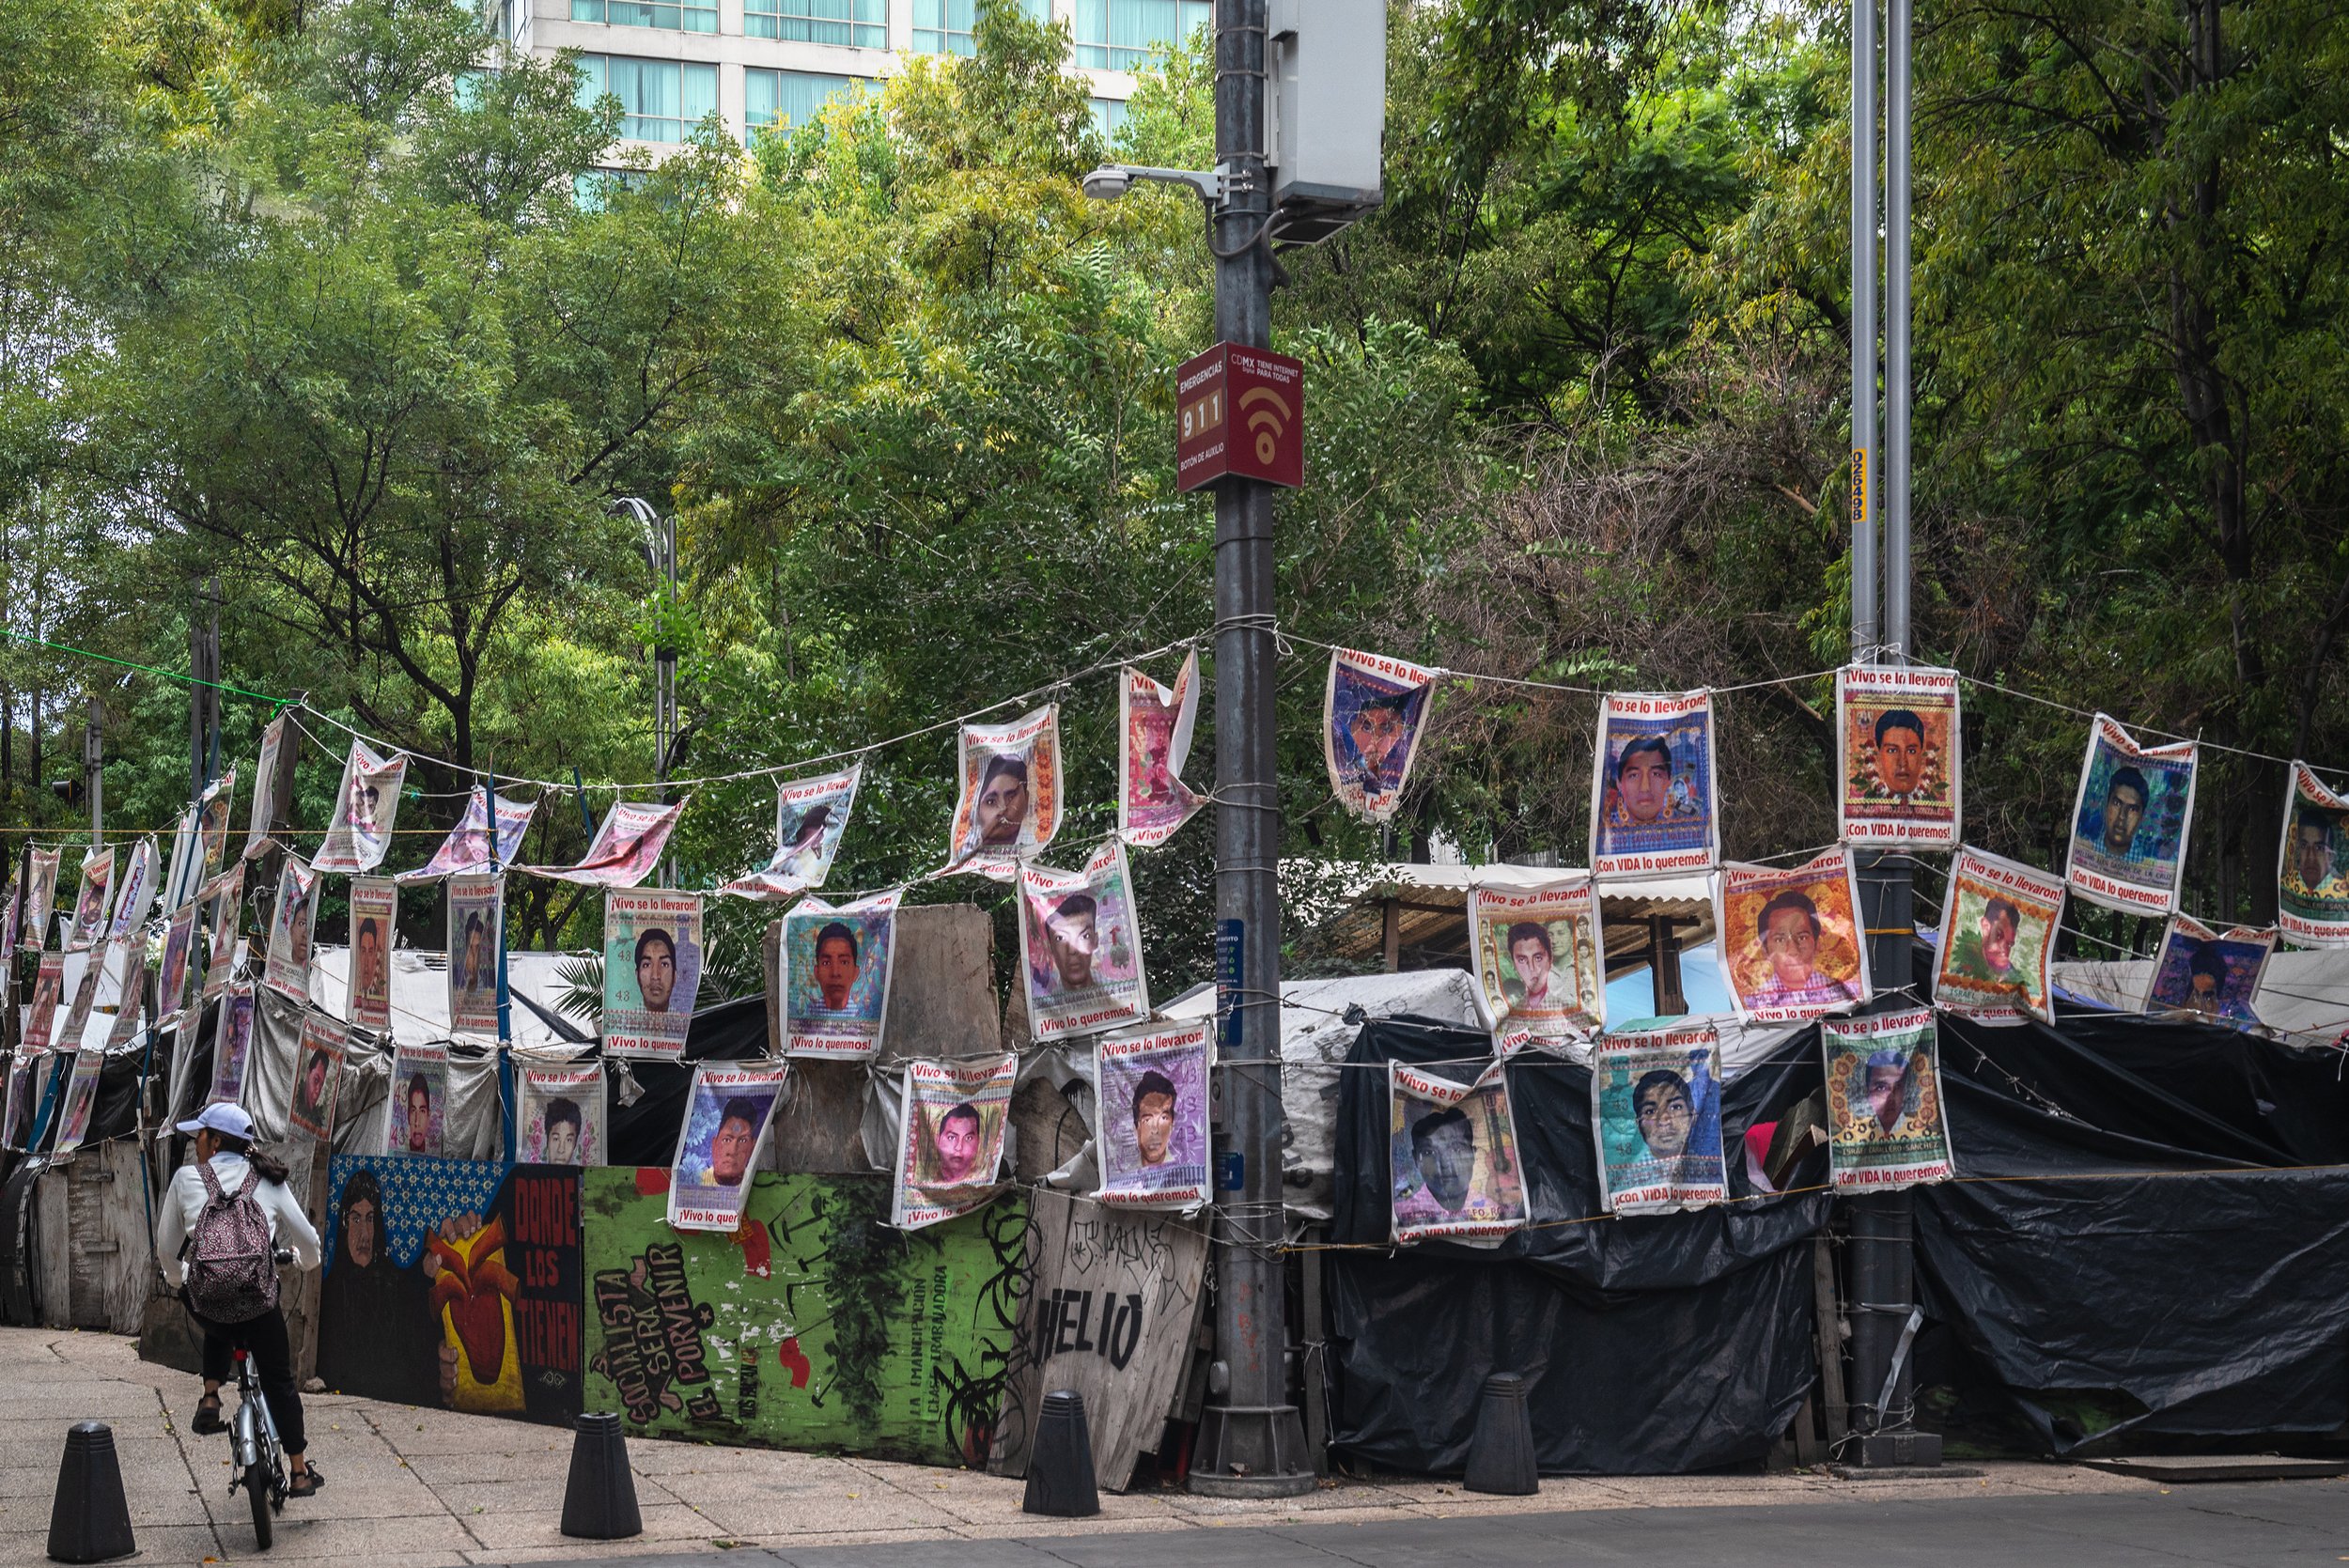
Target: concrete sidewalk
(420, 1488)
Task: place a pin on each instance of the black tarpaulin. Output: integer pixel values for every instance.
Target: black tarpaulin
(1654, 1344)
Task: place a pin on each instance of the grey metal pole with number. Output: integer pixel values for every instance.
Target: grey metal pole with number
(1864, 466)
(1896, 323)
(1252, 1442)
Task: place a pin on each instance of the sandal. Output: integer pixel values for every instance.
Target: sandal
(307, 1483)
(207, 1419)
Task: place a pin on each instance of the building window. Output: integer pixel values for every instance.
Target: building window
(857, 24)
(1109, 115)
(788, 98)
(679, 16)
(1116, 34)
(944, 26)
(661, 100)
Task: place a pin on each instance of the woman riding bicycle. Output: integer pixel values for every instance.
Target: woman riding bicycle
(223, 1143)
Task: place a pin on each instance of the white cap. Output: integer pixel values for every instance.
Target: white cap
(221, 1117)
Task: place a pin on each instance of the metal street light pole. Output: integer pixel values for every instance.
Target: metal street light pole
(661, 555)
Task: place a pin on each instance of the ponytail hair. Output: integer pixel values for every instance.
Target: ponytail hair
(269, 1168)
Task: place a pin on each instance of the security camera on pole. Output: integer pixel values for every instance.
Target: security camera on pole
(1299, 109)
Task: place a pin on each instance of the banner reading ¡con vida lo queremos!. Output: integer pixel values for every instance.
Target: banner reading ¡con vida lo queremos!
(1541, 960)
(2211, 975)
(1151, 1087)
(1373, 712)
(1656, 1114)
(1653, 811)
(2312, 872)
(1453, 1156)
(1789, 938)
(1888, 1124)
(1997, 933)
(1897, 756)
(2129, 821)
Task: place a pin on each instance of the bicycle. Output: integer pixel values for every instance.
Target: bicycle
(257, 1462)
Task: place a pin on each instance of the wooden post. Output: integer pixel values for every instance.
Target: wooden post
(1390, 920)
(1664, 958)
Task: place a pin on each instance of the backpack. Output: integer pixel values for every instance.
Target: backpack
(232, 1263)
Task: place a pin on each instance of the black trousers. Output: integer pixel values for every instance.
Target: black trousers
(263, 1339)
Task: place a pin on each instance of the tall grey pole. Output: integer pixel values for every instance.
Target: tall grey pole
(1896, 322)
(1864, 465)
(1252, 1442)
(94, 771)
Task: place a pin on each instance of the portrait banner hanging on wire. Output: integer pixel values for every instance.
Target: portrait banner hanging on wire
(186, 869)
(1541, 960)
(2211, 975)
(9, 935)
(264, 812)
(2312, 872)
(1154, 725)
(1653, 812)
(1998, 934)
(1453, 1156)
(1080, 948)
(1656, 1110)
(1373, 712)
(560, 1118)
(171, 976)
(85, 1003)
(366, 804)
(1789, 938)
(286, 969)
(1887, 1127)
(726, 1116)
(125, 960)
(1010, 803)
(40, 1022)
(223, 899)
(652, 970)
(92, 901)
(1897, 754)
(317, 1074)
(811, 815)
(419, 1120)
(1152, 1091)
(232, 1045)
(2129, 821)
(950, 1141)
(27, 1070)
(477, 929)
(81, 1094)
(626, 848)
(134, 891)
(467, 846)
(374, 925)
(212, 823)
(835, 976)
(41, 899)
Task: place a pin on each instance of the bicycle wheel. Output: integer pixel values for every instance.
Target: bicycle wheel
(256, 1488)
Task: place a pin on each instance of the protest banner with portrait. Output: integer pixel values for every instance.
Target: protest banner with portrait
(286, 969)
(835, 976)
(1154, 725)
(2129, 821)
(8, 918)
(81, 1095)
(40, 1022)
(811, 815)
(92, 901)
(1655, 1110)
(1453, 1156)
(950, 1140)
(1373, 712)
(419, 1121)
(373, 927)
(27, 1068)
(624, 849)
(1998, 934)
(476, 931)
(41, 899)
(1887, 1127)
(317, 1073)
(1541, 960)
(171, 977)
(366, 804)
(560, 1115)
(1897, 756)
(652, 970)
(135, 890)
(222, 898)
(76, 1020)
(185, 871)
(467, 846)
(125, 960)
(1653, 812)
(232, 1045)
(1080, 948)
(257, 827)
(2312, 872)
(1009, 806)
(1789, 938)
(2208, 974)
(1152, 1091)
(726, 1116)
(212, 823)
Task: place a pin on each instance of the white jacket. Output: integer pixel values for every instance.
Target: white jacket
(183, 1200)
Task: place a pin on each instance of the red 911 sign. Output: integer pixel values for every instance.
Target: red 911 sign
(1239, 410)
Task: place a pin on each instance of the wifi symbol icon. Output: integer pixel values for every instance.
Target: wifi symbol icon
(1271, 417)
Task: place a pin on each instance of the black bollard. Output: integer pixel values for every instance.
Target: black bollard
(1060, 1465)
(90, 1520)
(1501, 1453)
(599, 1501)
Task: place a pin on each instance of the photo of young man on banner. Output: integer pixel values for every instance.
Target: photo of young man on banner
(212, 823)
(1452, 1157)
(232, 1045)
(81, 1094)
(1656, 1108)
(1997, 933)
(1541, 960)
(171, 976)
(366, 804)
(811, 815)
(222, 898)
(467, 846)
(287, 967)
(419, 1100)
(476, 928)
(40, 900)
(126, 961)
(134, 890)
(951, 1138)
(92, 901)
(1080, 948)
(317, 1074)
(726, 1116)
(1789, 938)
(561, 1115)
(2129, 821)
(2208, 974)
(1010, 802)
(1152, 1091)
(374, 924)
(40, 1022)
(1887, 1127)
(1897, 755)
(624, 849)
(1154, 725)
(1373, 711)
(1653, 812)
(652, 970)
(76, 1022)
(2312, 870)
(835, 976)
